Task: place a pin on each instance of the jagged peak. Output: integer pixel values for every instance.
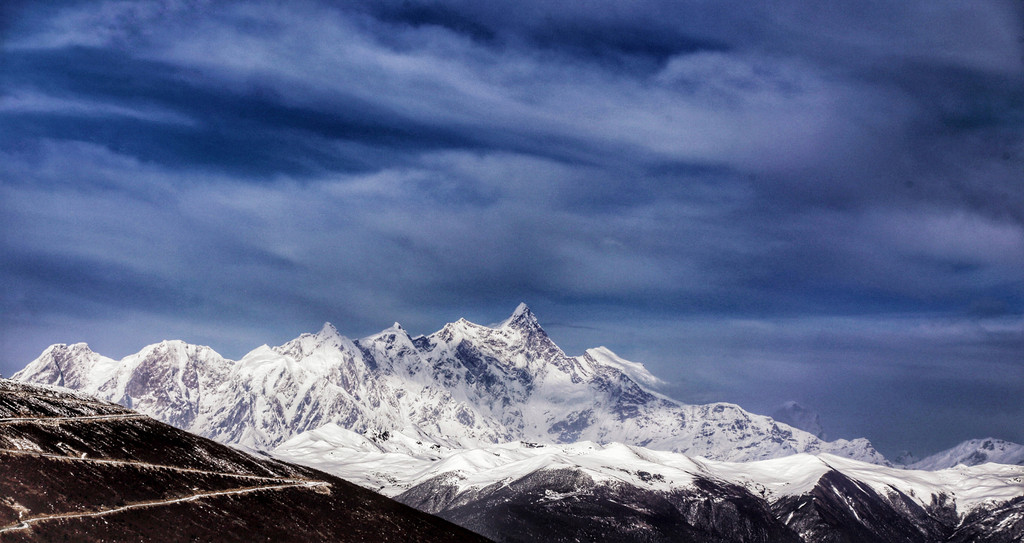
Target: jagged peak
(170, 343)
(988, 441)
(521, 309)
(395, 329)
(328, 330)
(461, 324)
(176, 345)
(522, 318)
(81, 346)
(328, 336)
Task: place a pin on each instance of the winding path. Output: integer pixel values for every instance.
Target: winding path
(274, 483)
(27, 522)
(37, 420)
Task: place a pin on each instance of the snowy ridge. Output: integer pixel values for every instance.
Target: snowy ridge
(464, 386)
(633, 370)
(972, 453)
(969, 488)
(392, 473)
(628, 491)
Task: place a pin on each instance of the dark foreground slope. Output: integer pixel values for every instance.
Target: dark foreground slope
(567, 505)
(75, 469)
(571, 495)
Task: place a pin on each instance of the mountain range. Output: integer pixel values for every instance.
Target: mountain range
(498, 430)
(577, 491)
(465, 385)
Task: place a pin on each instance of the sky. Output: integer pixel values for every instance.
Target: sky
(762, 201)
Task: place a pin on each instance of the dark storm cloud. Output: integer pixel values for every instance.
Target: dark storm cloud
(614, 32)
(835, 179)
(249, 131)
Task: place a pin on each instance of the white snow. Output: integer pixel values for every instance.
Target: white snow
(974, 452)
(634, 370)
(464, 386)
(388, 413)
(350, 457)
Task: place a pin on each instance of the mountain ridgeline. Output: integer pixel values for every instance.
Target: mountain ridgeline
(495, 429)
(463, 386)
(585, 492)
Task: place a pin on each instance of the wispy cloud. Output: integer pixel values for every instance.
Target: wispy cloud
(232, 172)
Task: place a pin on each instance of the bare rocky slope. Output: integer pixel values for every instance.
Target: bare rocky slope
(76, 469)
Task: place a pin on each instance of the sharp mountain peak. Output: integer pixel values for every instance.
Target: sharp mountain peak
(464, 385)
(522, 318)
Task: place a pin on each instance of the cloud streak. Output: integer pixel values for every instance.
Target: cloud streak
(732, 193)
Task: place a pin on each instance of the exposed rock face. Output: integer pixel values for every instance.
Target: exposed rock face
(842, 509)
(463, 386)
(619, 493)
(567, 505)
(1002, 524)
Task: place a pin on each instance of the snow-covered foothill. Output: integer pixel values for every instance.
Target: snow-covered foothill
(349, 457)
(972, 453)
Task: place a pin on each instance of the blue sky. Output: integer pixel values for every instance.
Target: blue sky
(761, 201)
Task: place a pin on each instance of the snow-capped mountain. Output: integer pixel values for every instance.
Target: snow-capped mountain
(463, 386)
(616, 492)
(499, 431)
(342, 452)
(972, 453)
(798, 416)
(587, 491)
